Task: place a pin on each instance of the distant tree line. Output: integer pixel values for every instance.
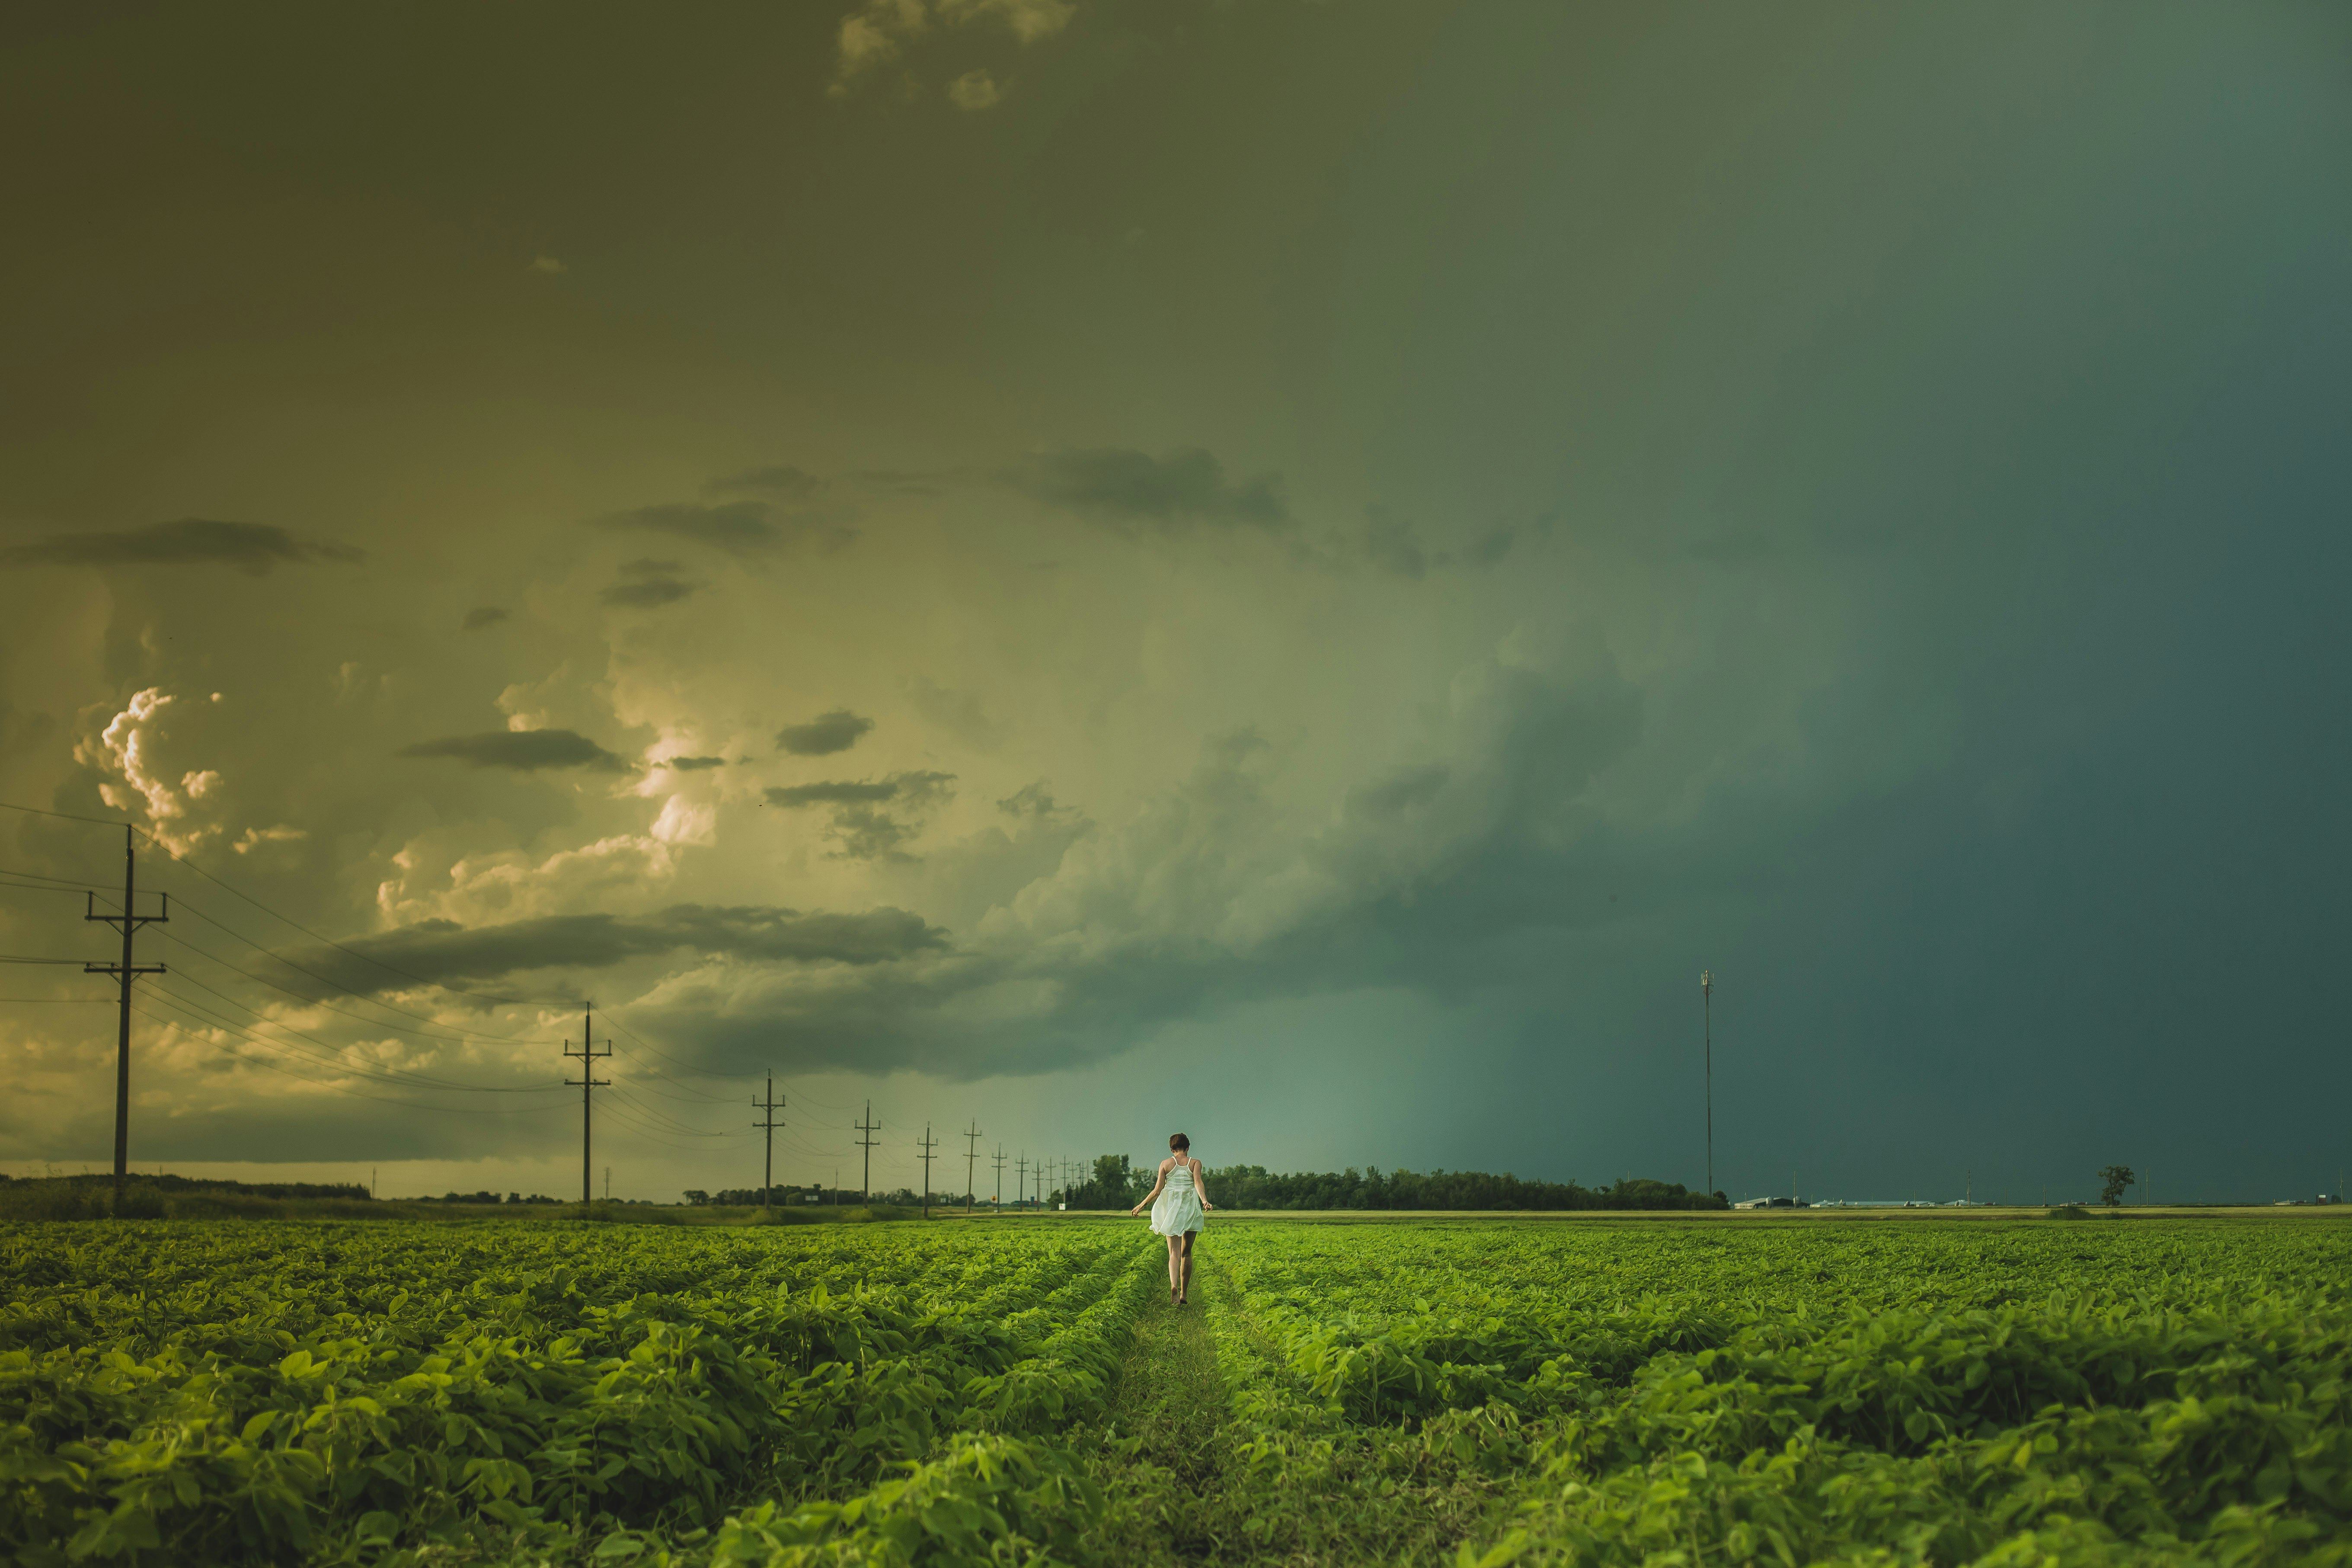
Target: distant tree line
(485, 1197)
(750, 1197)
(170, 1184)
(1116, 1183)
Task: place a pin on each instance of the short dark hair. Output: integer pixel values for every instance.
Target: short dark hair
(1177, 1140)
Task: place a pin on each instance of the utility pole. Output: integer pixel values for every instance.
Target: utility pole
(1706, 1007)
(128, 922)
(926, 1143)
(768, 1165)
(998, 1160)
(971, 1159)
(866, 1129)
(1021, 1180)
(588, 1083)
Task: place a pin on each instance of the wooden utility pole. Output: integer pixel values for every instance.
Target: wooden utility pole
(768, 1165)
(998, 1160)
(867, 1129)
(926, 1143)
(128, 922)
(1021, 1180)
(970, 1162)
(588, 1083)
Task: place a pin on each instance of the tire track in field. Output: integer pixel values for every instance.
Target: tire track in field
(1167, 1417)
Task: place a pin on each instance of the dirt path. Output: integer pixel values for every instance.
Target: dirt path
(1191, 1481)
(1166, 1458)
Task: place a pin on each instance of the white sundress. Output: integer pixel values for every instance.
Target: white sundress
(1178, 1207)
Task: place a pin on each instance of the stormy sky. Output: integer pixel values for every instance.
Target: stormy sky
(1289, 571)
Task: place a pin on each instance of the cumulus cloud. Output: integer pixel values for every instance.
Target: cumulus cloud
(1128, 490)
(254, 838)
(880, 30)
(521, 751)
(690, 765)
(861, 825)
(436, 951)
(126, 747)
(648, 592)
(742, 528)
(780, 479)
(960, 713)
(483, 615)
(975, 89)
(825, 734)
(128, 752)
(252, 547)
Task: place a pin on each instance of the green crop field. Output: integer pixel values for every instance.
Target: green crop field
(1461, 1390)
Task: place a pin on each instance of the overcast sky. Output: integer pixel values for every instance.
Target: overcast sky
(1289, 571)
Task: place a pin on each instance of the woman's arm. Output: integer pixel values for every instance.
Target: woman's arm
(1155, 1188)
(1199, 1188)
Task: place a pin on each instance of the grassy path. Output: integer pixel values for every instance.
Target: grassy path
(1198, 1475)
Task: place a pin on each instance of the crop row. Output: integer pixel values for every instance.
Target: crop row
(373, 1396)
(2162, 1402)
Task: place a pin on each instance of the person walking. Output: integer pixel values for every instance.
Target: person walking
(1176, 1201)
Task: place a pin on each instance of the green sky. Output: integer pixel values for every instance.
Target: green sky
(1293, 571)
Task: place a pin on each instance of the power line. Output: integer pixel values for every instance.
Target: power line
(971, 1158)
(410, 1079)
(180, 859)
(332, 1059)
(866, 1141)
(317, 1083)
(128, 922)
(768, 1168)
(588, 1083)
(332, 985)
(926, 1143)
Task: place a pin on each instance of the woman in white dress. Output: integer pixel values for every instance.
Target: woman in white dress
(1176, 1201)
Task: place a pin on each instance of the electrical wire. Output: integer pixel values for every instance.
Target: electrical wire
(179, 859)
(459, 1037)
(409, 1077)
(317, 1083)
(332, 985)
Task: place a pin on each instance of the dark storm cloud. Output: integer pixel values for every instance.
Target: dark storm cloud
(1430, 875)
(692, 764)
(523, 750)
(825, 734)
(436, 951)
(860, 825)
(743, 527)
(483, 615)
(782, 480)
(648, 592)
(254, 547)
(1126, 488)
(1390, 544)
(1035, 800)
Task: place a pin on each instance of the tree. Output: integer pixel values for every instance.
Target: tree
(2116, 1177)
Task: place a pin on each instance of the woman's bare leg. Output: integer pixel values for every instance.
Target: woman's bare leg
(1185, 1289)
(1175, 1267)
